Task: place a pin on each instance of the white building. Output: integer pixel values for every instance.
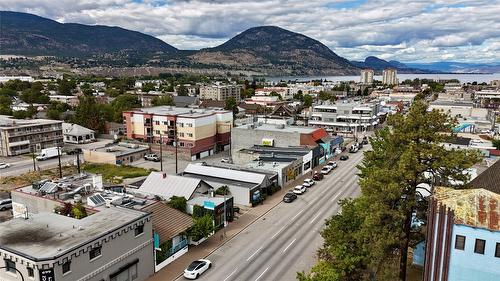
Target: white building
(220, 92)
(4, 79)
(366, 76)
(389, 76)
(74, 133)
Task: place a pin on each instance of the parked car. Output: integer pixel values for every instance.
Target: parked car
(332, 164)
(326, 170)
(225, 160)
(308, 182)
(48, 153)
(344, 157)
(5, 204)
(289, 197)
(196, 268)
(74, 151)
(318, 176)
(152, 157)
(365, 140)
(299, 189)
(4, 165)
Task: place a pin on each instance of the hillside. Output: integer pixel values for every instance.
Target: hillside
(379, 65)
(27, 34)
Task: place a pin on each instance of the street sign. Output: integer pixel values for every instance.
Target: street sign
(209, 205)
(47, 274)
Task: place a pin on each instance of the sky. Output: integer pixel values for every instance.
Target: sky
(407, 31)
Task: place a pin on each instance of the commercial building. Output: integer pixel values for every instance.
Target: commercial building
(19, 136)
(120, 154)
(284, 92)
(390, 76)
(200, 132)
(74, 133)
(220, 92)
(351, 118)
(367, 76)
(463, 237)
(165, 186)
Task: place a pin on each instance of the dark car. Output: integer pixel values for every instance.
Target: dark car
(74, 151)
(289, 197)
(344, 157)
(318, 176)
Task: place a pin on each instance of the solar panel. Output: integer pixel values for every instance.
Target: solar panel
(48, 187)
(96, 200)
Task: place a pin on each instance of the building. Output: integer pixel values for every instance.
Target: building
(4, 79)
(166, 186)
(284, 92)
(19, 136)
(220, 92)
(468, 115)
(390, 76)
(200, 132)
(213, 205)
(265, 101)
(69, 100)
(74, 133)
(366, 76)
(488, 98)
(351, 118)
(463, 237)
(120, 154)
(111, 244)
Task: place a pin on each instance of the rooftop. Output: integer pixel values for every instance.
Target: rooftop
(121, 149)
(178, 111)
(75, 129)
(7, 122)
(225, 173)
(166, 186)
(49, 235)
(168, 222)
(489, 179)
(277, 128)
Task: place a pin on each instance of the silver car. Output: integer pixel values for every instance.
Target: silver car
(5, 204)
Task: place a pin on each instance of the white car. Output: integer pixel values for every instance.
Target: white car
(332, 164)
(308, 183)
(196, 268)
(299, 189)
(4, 165)
(326, 170)
(225, 160)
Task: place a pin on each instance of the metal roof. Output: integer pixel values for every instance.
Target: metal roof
(75, 129)
(225, 173)
(166, 186)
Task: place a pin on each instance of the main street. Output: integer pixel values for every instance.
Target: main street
(286, 239)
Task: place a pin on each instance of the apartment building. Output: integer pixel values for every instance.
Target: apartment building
(220, 92)
(22, 136)
(352, 118)
(367, 76)
(200, 132)
(390, 76)
(70, 100)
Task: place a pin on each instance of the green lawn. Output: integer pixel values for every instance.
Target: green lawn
(115, 174)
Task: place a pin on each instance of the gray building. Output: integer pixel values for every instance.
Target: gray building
(19, 136)
(220, 92)
(111, 244)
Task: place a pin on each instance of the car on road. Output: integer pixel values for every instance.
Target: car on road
(308, 182)
(326, 170)
(5, 204)
(74, 151)
(344, 157)
(196, 268)
(225, 160)
(318, 176)
(289, 197)
(4, 165)
(152, 157)
(299, 189)
(332, 164)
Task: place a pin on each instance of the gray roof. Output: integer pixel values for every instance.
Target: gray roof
(75, 129)
(166, 186)
(225, 173)
(183, 101)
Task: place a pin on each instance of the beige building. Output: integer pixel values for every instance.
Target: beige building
(120, 154)
(220, 92)
(367, 76)
(390, 76)
(18, 136)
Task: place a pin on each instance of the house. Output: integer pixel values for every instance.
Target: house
(74, 133)
(463, 236)
(489, 179)
(215, 206)
(165, 186)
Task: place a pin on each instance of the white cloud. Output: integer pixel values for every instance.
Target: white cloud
(418, 30)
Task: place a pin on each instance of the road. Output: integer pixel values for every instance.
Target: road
(26, 165)
(285, 240)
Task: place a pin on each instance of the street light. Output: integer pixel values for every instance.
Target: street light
(8, 267)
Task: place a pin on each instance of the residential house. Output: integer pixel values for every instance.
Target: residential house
(74, 133)
(164, 186)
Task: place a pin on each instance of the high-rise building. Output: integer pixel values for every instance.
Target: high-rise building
(366, 76)
(390, 76)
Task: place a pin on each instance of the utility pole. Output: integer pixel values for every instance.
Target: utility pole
(225, 190)
(33, 156)
(59, 158)
(78, 161)
(175, 141)
(161, 153)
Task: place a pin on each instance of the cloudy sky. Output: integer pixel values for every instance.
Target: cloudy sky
(409, 31)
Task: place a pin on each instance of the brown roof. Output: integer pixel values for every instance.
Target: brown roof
(213, 103)
(249, 106)
(489, 179)
(168, 222)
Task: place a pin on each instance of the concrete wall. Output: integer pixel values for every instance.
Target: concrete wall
(99, 157)
(33, 203)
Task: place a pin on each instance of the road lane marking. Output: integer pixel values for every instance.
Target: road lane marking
(315, 217)
(234, 271)
(281, 229)
(262, 274)
(250, 257)
(294, 217)
(334, 198)
(289, 245)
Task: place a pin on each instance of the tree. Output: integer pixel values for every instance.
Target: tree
(178, 202)
(203, 227)
(358, 92)
(232, 105)
(403, 156)
(223, 190)
(182, 90)
(308, 100)
(148, 87)
(88, 114)
(5, 103)
(366, 92)
(275, 94)
(322, 95)
(299, 96)
(496, 143)
(78, 211)
(123, 103)
(163, 100)
(66, 86)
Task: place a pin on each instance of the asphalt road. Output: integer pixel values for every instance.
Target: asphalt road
(26, 165)
(285, 240)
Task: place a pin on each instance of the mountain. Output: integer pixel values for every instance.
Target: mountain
(459, 67)
(31, 35)
(271, 48)
(378, 65)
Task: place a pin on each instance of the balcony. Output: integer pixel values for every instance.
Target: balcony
(31, 132)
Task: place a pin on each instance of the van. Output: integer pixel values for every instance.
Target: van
(5, 204)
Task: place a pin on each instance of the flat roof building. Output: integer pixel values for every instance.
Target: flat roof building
(120, 154)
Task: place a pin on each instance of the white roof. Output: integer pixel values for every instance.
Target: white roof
(75, 129)
(166, 186)
(225, 173)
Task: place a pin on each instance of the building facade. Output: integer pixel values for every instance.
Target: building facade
(220, 92)
(23, 136)
(367, 76)
(390, 76)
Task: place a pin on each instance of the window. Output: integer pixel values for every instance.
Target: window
(157, 122)
(31, 273)
(497, 251)
(10, 266)
(95, 252)
(139, 230)
(189, 124)
(66, 267)
(181, 135)
(165, 123)
(180, 124)
(460, 242)
(190, 135)
(479, 246)
(127, 274)
(158, 132)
